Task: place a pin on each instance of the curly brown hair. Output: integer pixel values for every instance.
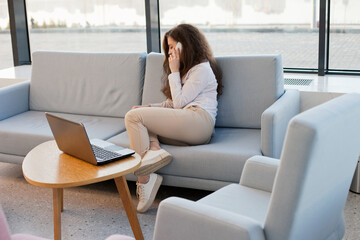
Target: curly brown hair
(195, 50)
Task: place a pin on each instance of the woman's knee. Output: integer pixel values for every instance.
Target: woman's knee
(132, 116)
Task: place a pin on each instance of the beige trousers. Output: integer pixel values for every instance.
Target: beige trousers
(190, 126)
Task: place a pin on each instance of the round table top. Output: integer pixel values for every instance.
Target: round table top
(47, 166)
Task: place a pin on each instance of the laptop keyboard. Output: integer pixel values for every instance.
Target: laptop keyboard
(103, 154)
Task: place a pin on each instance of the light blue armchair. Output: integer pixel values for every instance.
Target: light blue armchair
(300, 197)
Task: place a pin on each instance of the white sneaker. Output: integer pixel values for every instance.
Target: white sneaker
(152, 161)
(147, 192)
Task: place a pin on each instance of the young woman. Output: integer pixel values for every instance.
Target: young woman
(192, 84)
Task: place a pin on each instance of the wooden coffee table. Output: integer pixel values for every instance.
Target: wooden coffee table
(47, 166)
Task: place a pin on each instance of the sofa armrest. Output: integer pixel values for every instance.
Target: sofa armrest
(14, 99)
(179, 218)
(274, 122)
(260, 172)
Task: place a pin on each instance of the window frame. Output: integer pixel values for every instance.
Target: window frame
(22, 55)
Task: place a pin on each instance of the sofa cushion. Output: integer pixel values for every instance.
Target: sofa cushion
(101, 84)
(153, 79)
(238, 199)
(21, 133)
(222, 159)
(251, 85)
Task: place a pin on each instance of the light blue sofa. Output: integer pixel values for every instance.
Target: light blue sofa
(99, 88)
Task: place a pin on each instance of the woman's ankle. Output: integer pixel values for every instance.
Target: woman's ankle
(155, 146)
(144, 179)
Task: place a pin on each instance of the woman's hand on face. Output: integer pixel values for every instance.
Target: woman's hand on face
(174, 61)
(134, 107)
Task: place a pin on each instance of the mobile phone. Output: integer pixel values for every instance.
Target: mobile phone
(178, 46)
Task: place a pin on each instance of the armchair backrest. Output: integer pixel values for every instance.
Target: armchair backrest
(103, 84)
(320, 153)
(251, 85)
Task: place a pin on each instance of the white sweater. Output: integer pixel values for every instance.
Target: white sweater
(197, 88)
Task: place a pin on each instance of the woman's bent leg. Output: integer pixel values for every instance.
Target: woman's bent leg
(190, 126)
(137, 122)
(141, 141)
(138, 134)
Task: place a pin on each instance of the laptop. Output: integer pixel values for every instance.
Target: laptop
(72, 139)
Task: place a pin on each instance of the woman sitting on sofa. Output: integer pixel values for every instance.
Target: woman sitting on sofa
(192, 84)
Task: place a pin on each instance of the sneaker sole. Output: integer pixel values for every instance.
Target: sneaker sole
(146, 170)
(152, 195)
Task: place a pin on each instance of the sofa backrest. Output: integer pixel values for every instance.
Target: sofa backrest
(251, 84)
(153, 77)
(102, 84)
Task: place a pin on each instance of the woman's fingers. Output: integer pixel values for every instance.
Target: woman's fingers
(174, 62)
(147, 105)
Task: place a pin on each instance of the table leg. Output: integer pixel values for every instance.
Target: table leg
(57, 207)
(125, 196)
(61, 199)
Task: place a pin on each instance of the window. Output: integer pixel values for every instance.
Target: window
(6, 59)
(232, 27)
(87, 25)
(344, 46)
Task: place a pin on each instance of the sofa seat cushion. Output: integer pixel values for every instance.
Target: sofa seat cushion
(21, 133)
(222, 159)
(235, 198)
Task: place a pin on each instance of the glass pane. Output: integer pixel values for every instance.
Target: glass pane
(344, 35)
(87, 25)
(247, 27)
(6, 59)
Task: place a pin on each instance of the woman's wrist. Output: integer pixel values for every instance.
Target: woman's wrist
(174, 70)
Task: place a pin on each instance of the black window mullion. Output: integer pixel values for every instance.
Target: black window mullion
(19, 32)
(322, 39)
(328, 37)
(152, 26)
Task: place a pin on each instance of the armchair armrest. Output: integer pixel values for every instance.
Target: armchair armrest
(274, 122)
(259, 172)
(14, 99)
(179, 219)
